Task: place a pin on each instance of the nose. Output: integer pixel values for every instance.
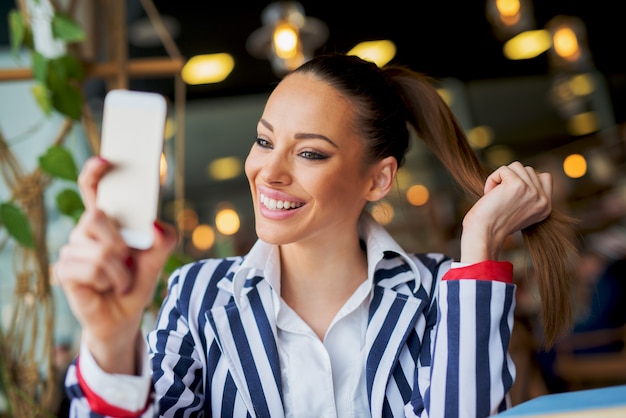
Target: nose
(276, 169)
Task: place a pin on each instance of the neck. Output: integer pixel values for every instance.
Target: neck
(317, 280)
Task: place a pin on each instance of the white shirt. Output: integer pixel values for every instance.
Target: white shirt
(332, 369)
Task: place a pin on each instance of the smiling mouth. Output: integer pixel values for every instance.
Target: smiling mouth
(273, 204)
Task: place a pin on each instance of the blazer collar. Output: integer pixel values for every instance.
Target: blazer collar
(246, 328)
(263, 259)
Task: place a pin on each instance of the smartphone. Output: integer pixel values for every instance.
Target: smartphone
(133, 132)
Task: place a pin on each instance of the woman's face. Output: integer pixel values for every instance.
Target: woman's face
(306, 170)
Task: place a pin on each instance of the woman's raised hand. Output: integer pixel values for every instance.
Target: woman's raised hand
(107, 284)
(515, 197)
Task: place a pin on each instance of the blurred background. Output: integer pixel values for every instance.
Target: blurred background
(542, 82)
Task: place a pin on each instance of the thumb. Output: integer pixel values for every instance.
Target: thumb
(165, 238)
(150, 262)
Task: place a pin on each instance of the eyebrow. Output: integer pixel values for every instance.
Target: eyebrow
(302, 135)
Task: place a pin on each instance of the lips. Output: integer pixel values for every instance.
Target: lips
(278, 205)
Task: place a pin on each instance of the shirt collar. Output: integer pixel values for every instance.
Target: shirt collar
(263, 259)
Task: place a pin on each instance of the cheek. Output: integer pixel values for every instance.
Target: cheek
(251, 165)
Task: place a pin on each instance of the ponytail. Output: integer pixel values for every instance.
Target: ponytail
(550, 242)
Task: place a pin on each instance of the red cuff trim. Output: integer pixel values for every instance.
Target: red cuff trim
(100, 406)
(498, 271)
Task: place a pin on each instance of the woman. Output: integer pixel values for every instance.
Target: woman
(326, 315)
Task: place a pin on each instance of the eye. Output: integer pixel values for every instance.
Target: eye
(262, 142)
(312, 155)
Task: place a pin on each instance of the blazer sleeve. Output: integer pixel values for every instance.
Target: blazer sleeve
(176, 371)
(469, 371)
(175, 354)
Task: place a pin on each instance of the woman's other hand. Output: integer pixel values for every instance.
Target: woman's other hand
(108, 285)
(515, 197)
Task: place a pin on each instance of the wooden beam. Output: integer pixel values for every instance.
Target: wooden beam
(137, 68)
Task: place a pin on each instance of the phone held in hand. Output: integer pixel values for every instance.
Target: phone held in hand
(133, 128)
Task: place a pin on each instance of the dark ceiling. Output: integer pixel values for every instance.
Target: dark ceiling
(441, 38)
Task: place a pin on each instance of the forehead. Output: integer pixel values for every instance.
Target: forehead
(304, 102)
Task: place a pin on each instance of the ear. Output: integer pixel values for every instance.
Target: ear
(383, 174)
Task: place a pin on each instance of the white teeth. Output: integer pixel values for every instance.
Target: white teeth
(273, 204)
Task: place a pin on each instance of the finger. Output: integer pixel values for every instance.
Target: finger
(525, 173)
(546, 182)
(151, 261)
(96, 225)
(165, 237)
(496, 178)
(533, 175)
(90, 264)
(93, 170)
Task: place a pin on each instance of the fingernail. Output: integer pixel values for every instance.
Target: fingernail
(130, 262)
(102, 160)
(159, 227)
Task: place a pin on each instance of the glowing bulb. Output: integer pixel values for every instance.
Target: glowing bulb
(286, 40)
(480, 136)
(509, 11)
(527, 45)
(417, 195)
(203, 237)
(575, 166)
(566, 44)
(187, 219)
(209, 68)
(378, 52)
(225, 168)
(227, 221)
(383, 213)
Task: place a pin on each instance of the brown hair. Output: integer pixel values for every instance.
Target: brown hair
(386, 99)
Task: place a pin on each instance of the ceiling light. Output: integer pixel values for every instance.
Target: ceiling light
(510, 17)
(287, 38)
(207, 69)
(527, 45)
(225, 168)
(227, 221)
(569, 51)
(203, 237)
(378, 52)
(575, 166)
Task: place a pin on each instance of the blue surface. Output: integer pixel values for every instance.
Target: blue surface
(581, 400)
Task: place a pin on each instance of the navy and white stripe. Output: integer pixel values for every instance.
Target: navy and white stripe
(435, 348)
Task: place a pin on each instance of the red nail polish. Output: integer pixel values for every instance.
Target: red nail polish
(103, 160)
(159, 227)
(130, 262)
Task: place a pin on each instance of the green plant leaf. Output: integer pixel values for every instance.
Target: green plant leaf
(58, 162)
(57, 77)
(66, 29)
(72, 67)
(64, 73)
(42, 96)
(16, 223)
(68, 100)
(40, 67)
(70, 203)
(17, 30)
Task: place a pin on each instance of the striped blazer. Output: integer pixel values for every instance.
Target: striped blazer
(436, 348)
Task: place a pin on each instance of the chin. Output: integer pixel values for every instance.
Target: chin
(271, 235)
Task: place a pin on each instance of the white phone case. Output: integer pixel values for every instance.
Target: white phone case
(133, 128)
